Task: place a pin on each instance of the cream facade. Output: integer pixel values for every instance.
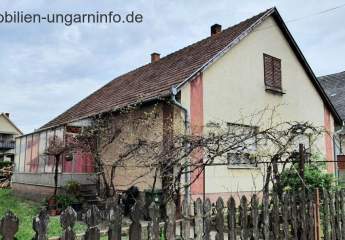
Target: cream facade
(233, 89)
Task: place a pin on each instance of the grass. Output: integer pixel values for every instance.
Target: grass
(26, 210)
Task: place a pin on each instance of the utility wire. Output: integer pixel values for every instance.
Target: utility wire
(316, 13)
(304, 17)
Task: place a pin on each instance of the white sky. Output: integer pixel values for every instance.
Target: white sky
(47, 68)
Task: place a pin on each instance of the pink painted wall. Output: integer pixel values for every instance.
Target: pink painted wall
(328, 140)
(197, 123)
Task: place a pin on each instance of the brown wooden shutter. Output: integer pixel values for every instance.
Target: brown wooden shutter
(272, 72)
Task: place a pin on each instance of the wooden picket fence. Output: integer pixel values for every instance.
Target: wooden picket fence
(291, 216)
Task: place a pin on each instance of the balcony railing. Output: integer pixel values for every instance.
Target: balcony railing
(7, 144)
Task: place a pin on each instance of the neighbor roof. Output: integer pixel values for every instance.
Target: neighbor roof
(334, 85)
(155, 80)
(11, 123)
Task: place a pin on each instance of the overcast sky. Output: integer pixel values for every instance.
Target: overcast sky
(46, 68)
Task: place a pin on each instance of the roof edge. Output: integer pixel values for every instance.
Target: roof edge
(12, 123)
(228, 47)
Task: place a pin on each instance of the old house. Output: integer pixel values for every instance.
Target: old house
(233, 72)
(8, 132)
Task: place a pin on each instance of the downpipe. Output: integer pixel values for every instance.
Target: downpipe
(186, 123)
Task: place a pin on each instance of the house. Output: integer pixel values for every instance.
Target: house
(234, 72)
(8, 132)
(334, 86)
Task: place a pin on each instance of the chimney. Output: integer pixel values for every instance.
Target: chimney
(215, 29)
(155, 57)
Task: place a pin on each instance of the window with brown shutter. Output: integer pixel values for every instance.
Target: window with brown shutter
(272, 73)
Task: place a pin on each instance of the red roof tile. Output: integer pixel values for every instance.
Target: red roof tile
(152, 80)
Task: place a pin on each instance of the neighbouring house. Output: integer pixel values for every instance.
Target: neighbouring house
(334, 86)
(8, 132)
(233, 72)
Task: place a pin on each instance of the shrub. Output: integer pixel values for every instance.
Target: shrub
(314, 177)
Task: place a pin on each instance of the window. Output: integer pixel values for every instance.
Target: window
(272, 73)
(246, 136)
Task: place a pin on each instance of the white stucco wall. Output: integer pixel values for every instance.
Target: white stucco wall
(233, 88)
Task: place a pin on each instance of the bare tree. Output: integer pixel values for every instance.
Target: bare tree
(187, 154)
(56, 148)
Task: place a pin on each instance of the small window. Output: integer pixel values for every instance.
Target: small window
(272, 73)
(247, 135)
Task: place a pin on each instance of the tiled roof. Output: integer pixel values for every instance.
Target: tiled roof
(154, 79)
(334, 86)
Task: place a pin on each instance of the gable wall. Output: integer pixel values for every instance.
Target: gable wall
(234, 89)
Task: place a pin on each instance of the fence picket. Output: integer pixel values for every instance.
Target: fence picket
(40, 225)
(9, 225)
(266, 216)
(219, 219)
(294, 216)
(154, 223)
(93, 218)
(114, 217)
(135, 226)
(170, 224)
(198, 229)
(231, 218)
(255, 217)
(185, 221)
(207, 220)
(325, 219)
(285, 215)
(67, 220)
(332, 216)
(275, 216)
(342, 209)
(338, 215)
(310, 217)
(244, 218)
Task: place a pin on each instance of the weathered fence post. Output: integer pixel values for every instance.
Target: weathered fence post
(198, 228)
(342, 202)
(185, 221)
(294, 215)
(317, 215)
(40, 225)
(231, 219)
(266, 215)
(220, 219)
(311, 217)
(170, 223)
(332, 216)
(326, 222)
(114, 216)
(135, 227)
(338, 215)
(153, 226)
(9, 226)
(207, 222)
(67, 220)
(255, 217)
(93, 218)
(275, 216)
(244, 218)
(285, 214)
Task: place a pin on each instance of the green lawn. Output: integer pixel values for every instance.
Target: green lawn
(26, 210)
